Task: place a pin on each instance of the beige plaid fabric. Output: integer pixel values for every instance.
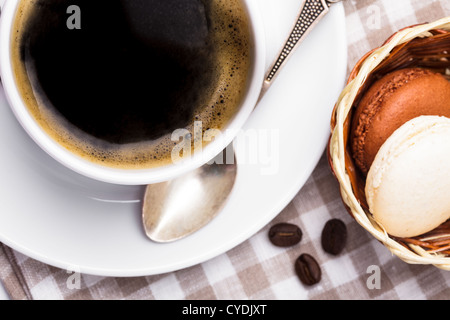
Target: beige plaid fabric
(256, 269)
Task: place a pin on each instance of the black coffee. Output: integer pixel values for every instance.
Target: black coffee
(112, 79)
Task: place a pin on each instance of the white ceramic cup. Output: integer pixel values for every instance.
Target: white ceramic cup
(130, 176)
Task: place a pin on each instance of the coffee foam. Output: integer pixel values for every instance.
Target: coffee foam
(220, 103)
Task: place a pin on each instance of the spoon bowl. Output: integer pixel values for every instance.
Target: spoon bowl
(179, 207)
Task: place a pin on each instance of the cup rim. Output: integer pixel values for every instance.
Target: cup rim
(132, 176)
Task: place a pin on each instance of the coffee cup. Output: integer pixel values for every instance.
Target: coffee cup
(119, 144)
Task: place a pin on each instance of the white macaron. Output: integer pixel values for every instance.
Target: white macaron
(408, 184)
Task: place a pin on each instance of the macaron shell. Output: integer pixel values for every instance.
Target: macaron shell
(392, 101)
(408, 185)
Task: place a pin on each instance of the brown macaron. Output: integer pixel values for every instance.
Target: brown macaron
(392, 101)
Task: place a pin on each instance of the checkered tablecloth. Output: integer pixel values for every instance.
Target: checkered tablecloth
(256, 269)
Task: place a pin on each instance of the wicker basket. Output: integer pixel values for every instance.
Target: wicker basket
(426, 46)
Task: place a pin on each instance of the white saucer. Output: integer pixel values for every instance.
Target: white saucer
(66, 220)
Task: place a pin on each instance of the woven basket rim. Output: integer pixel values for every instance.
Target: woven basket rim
(336, 148)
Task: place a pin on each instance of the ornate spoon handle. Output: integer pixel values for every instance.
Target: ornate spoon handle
(311, 12)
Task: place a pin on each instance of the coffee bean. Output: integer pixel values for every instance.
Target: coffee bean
(285, 234)
(334, 236)
(308, 270)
